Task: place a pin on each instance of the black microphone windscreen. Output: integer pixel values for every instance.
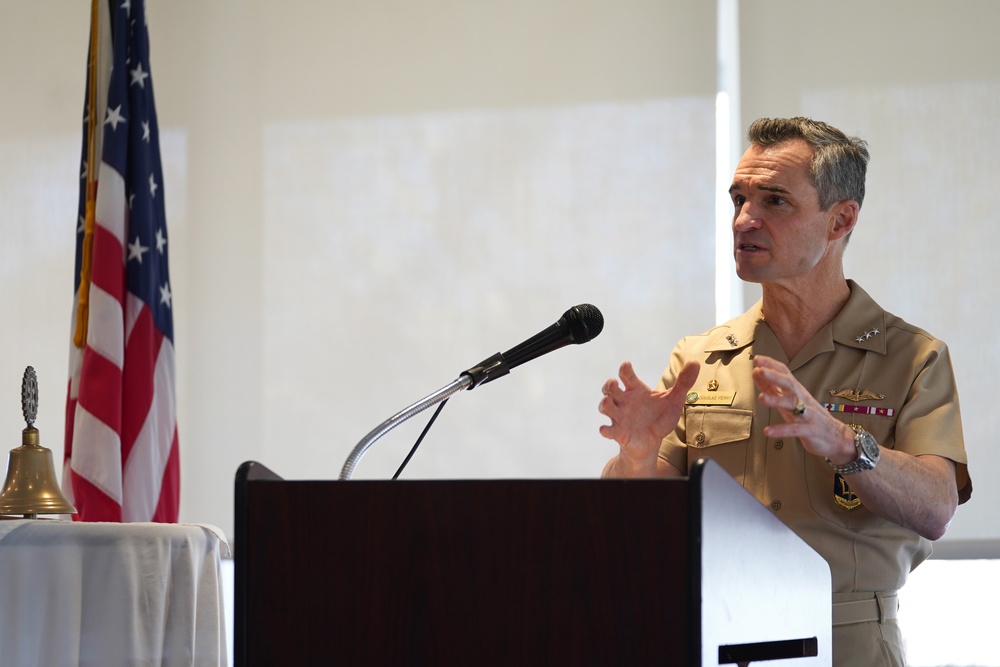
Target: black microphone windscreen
(585, 322)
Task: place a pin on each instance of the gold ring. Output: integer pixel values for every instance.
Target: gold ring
(799, 409)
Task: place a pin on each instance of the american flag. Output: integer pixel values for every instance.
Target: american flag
(121, 430)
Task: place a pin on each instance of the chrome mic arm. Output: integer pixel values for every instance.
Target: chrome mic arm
(392, 422)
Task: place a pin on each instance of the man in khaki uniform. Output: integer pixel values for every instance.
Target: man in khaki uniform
(839, 416)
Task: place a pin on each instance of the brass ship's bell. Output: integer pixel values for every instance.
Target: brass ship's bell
(31, 487)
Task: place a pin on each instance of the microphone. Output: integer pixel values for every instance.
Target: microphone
(578, 325)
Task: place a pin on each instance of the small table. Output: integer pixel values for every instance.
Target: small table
(74, 593)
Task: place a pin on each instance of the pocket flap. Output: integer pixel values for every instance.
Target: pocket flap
(708, 425)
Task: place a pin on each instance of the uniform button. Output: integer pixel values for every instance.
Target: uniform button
(776, 505)
(700, 438)
(778, 444)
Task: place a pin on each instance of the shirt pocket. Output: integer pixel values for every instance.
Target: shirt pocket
(720, 434)
(831, 497)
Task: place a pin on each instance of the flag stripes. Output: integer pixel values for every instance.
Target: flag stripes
(122, 457)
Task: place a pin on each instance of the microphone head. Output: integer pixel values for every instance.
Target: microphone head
(585, 322)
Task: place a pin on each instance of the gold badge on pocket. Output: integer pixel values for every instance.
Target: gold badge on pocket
(843, 495)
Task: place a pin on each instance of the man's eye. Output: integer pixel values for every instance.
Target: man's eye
(777, 201)
(739, 200)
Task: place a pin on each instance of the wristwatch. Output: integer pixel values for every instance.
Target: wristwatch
(868, 453)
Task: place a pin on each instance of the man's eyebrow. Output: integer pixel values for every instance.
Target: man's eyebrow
(736, 187)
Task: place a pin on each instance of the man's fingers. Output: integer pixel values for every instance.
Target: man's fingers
(764, 361)
(773, 377)
(687, 377)
(626, 373)
(628, 376)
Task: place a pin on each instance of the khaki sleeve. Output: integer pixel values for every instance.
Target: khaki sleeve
(930, 421)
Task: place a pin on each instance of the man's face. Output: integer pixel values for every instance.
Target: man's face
(779, 232)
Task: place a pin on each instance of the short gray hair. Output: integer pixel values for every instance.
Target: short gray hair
(839, 162)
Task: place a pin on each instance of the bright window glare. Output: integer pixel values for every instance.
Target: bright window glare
(947, 612)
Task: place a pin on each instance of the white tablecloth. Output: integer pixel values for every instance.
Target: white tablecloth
(108, 594)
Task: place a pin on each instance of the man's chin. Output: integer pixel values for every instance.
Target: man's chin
(748, 275)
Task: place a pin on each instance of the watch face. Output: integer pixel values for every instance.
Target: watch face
(868, 445)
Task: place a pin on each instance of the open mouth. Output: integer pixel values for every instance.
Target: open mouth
(747, 247)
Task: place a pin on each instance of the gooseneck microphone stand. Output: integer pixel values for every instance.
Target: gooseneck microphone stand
(578, 325)
(397, 419)
(488, 369)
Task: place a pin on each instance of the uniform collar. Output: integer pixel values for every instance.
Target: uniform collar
(860, 324)
(737, 333)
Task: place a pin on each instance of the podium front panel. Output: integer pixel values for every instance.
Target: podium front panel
(464, 572)
(686, 571)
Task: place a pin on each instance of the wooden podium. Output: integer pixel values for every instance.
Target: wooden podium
(688, 571)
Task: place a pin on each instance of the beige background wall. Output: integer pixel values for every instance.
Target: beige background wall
(366, 198)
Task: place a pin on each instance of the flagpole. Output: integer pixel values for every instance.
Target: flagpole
(86, 264)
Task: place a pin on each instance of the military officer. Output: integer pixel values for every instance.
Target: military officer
(839, 416)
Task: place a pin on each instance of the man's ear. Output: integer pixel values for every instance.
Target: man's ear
(843, 218)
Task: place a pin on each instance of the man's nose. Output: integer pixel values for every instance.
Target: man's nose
(745, 219)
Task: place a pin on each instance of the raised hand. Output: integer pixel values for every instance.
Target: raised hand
(641, 417)
(805, 418)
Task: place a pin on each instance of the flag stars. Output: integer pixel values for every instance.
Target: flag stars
(139, 76)
(165, 295)
(114, 117)
(138, 271)
(136, 250)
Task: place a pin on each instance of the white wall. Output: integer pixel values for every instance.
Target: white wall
(366, 198)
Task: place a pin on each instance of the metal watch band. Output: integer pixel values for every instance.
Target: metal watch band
(863, 461)
(857, 465)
